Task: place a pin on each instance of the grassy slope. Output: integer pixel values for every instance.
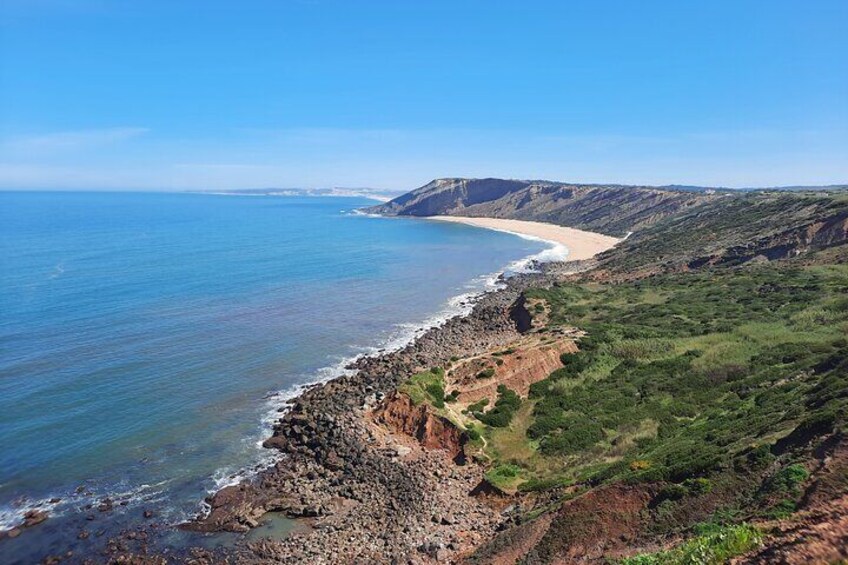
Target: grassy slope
(732, 230)
(707, 385)
(719, 361)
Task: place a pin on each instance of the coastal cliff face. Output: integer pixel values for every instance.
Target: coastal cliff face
(671, 229)
(432, 431)
(517, 370)
(609, 209)
(735, 230)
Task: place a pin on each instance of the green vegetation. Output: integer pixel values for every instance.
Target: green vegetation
(503, 476)
(426, 387)
(486, 373)
(713, 362)
(501, 414)
(706, 549)
(711, 379)
(786, 481)
(477, 406)
(706, 387)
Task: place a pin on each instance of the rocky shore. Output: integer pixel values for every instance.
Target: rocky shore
(371, 496)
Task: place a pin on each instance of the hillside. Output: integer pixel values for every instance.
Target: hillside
(609, 209)
(702, 410)
(734, 230)
(697, 412)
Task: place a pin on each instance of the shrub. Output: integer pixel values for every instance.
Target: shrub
(574, 362)
(436, 391)
(503, 475)
(698, 486)
(486, 373)
(501, 414)
(478, 406)
(577, 433)
(427, 386)
(708, 549)
(782, 509)
(639, 465)
(756, 459)
(672, 492)
(786, 480)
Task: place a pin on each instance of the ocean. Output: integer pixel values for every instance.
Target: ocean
(148, 339)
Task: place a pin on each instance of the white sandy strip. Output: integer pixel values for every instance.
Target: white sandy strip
(581, 244)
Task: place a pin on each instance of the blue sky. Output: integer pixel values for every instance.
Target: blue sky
(111, 94)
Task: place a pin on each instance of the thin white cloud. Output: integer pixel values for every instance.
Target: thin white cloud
(67, 141)
(396, 158)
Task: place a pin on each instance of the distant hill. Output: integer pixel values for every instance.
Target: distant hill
(611, 209)
(606, 208)
(748, 227)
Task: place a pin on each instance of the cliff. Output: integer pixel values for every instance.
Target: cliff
(609, 209)
(734, 230)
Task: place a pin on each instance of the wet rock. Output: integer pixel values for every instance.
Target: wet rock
(34, 517)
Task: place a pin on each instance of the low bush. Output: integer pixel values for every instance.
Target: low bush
(698, 486)
(672, 492)
(786, 480)
(477, 406)
(426, 387)
(707, 549)
(486, 373)
(576, 433)
(503, 475)
(501, 414)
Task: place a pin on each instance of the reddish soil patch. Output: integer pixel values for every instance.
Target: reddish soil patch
(432, 431)
(517, 370)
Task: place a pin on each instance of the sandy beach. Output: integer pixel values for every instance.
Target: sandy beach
(581, 244)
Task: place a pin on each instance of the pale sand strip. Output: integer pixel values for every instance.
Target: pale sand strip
(581, 244)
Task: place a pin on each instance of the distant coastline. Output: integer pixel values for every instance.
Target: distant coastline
(369, 193)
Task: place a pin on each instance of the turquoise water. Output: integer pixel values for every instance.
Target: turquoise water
(143, 336)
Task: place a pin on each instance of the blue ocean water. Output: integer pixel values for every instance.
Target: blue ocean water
(143, 335)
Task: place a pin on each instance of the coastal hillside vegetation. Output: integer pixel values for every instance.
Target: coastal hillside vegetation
(731, 231)
(708, 390)
(708, 397)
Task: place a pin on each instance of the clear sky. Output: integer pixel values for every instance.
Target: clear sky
(210, 94)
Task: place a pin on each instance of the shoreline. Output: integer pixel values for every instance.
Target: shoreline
(367, 499)
(581, 244)
(305, 481)
(455, 307)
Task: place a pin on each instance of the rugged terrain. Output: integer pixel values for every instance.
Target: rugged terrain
(682, 395)
(609, 209)
(679, 399)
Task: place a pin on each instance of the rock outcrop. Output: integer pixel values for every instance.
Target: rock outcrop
(432, 431)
